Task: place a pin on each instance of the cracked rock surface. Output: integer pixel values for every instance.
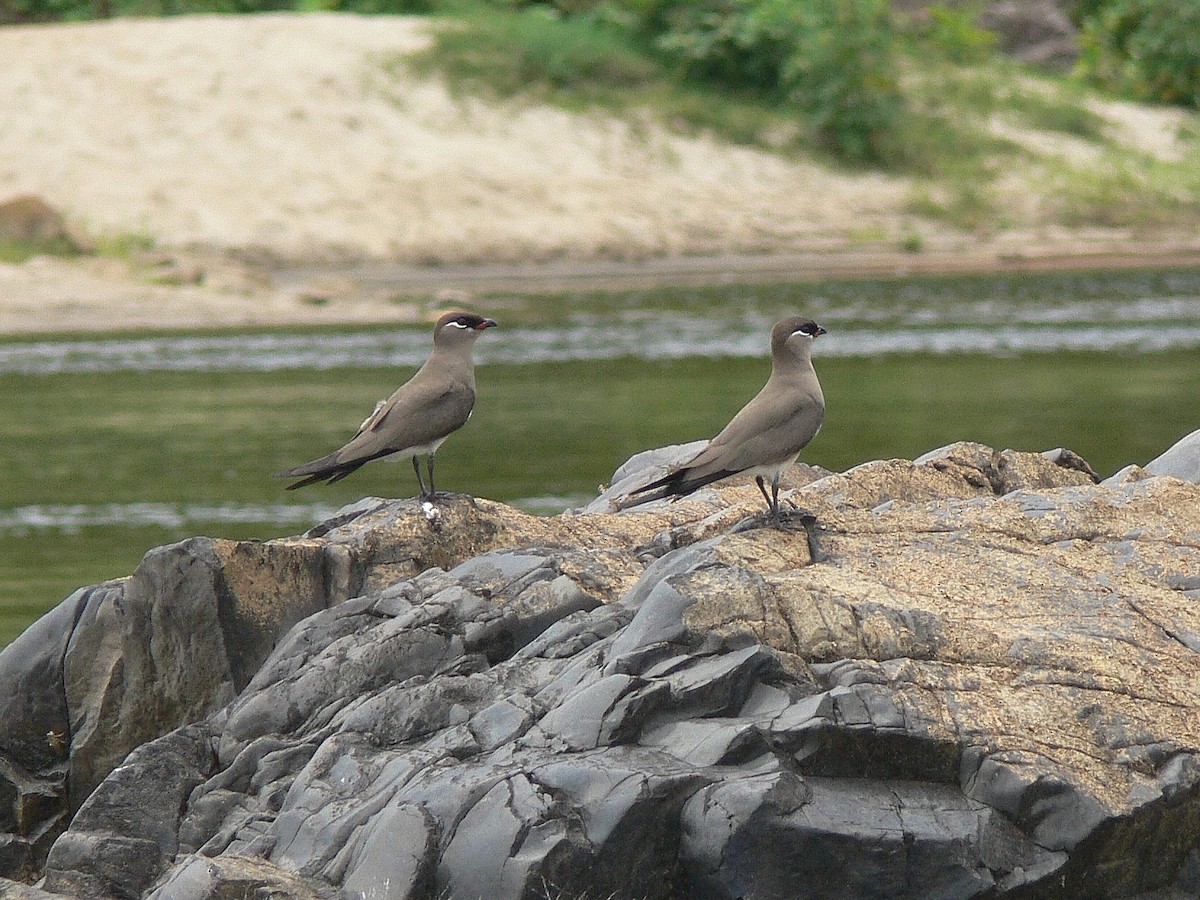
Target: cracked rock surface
(977, 675)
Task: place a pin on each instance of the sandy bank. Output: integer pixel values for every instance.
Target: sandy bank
(292, 138)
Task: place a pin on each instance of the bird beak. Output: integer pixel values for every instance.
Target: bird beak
(486, 323)
(820, 331)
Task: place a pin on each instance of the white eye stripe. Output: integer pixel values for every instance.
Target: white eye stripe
(459, 325)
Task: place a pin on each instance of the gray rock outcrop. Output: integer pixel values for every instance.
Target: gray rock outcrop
(976, 676)
(1034, 31)
(1181, 460)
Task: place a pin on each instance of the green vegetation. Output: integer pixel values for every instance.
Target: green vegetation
(831, 62)
(1118, 191)
(1145, 49)
(537, 53)
(125, 245)
(20, 251)
(834, 68)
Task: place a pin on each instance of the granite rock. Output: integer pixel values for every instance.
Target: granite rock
(975, 675)
(1181, 460)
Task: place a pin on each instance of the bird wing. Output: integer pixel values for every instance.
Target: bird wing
(418, 414)
(772, 427)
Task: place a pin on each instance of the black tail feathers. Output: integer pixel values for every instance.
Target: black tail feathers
(674, 484)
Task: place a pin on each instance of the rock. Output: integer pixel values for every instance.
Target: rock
(206, 878)
(35, 742)
(1040, 32)
(127, 672)
(145, 795)
(30, 221)
(975, 675)
(15, 890)
(1182, 460)
(1034, 31)
(119, 664)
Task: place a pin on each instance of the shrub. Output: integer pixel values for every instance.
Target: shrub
(1146, 49)
(955, 35)
(535, 48)
(833, 59)
(367, 7)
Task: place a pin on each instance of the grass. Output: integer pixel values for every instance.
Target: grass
(1064, 111)
(531, 53)
(1122, 190)
(17, 251)
(539, 429)
(124, 245)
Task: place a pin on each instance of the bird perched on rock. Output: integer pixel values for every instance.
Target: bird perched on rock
(769, 432)
(414, 421)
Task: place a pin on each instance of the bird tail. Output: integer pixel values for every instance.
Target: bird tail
(327, 469)
(675, 484)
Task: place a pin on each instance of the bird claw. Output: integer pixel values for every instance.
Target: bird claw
(748, 524)
(787, 522)
(761, 520)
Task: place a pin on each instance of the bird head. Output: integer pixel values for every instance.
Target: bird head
(795, 334)
(455, 328)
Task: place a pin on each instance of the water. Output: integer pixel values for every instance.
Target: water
(99, 469)
(70, 518)
(1128, 313)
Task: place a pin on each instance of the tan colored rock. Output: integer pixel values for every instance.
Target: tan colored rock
(975, 643)
(1052, 624)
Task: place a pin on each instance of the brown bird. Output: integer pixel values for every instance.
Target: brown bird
(414, 421)
(769, 432)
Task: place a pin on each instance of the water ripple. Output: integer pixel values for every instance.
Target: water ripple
(1162, 325)
(71, 517)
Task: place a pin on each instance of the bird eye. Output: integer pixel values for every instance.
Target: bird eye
(809, 328)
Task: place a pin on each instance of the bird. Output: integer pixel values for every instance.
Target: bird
(766, 435)
(419, 416)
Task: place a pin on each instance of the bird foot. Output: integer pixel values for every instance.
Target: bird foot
(749, 524)
(789, 521)
(764, 520)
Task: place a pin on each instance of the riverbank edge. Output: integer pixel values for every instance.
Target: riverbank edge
(173, 290)
(740, 268)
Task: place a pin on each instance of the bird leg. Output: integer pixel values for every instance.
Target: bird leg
(420, 481)
(772, 498)
(432, 489)
(758, 479)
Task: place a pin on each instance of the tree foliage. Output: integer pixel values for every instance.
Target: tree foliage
(1146, 49)
(832, 59)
